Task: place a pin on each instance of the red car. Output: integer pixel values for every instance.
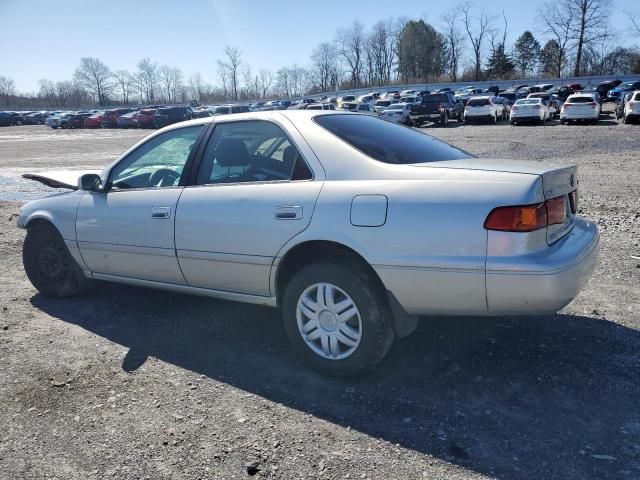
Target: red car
(110, 117)
(144, 117)
(94, 121)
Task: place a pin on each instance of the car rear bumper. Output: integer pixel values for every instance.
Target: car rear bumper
(543, 282)
(525, 118)
(579, 116)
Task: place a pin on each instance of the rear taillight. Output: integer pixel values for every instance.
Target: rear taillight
(514, 108)
(527, 218)
(573, 201)
(536, 107)
(592, 105)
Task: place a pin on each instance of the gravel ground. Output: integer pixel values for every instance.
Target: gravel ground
(130, 383)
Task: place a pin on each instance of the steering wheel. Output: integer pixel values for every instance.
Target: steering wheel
(164, 177)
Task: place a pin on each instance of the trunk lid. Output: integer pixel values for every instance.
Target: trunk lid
(557, 181)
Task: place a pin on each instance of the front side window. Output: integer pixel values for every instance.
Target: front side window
(156, 163)
(250, 151)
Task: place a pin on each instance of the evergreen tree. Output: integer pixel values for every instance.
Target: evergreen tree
(526, 53)
(421, 52)
(500, 65)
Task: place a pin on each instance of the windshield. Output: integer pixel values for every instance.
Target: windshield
(388, 142)
(396, 106)
(222, 110)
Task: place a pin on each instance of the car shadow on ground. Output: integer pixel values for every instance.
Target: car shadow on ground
(536, 397)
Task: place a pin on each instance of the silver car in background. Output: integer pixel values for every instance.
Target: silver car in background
(352, 225)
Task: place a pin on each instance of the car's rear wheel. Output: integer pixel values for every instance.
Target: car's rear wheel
(49, 265)
(444, 119)
(337, 318)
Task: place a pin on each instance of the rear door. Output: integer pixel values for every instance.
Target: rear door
(252, 193)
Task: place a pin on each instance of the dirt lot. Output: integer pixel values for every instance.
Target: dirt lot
(129, 383)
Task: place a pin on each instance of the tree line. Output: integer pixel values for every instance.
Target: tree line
(467, 43)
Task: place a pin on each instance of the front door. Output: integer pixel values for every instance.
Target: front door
(128, 230)
(254, 193)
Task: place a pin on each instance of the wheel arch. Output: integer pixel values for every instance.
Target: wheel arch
(309, 251)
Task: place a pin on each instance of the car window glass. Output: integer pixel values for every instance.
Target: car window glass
(388, 142)
(250, 151)
(157, 163)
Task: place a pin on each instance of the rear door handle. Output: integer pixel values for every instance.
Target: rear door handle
(288, 212)
(161, 212)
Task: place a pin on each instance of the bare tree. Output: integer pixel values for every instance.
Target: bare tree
(232, 65)
(559, 25)
(324, 66)
(350, 45)
(170, 79)
(266, 79)
(148, 79)
(7, 89)
(197, 87)
(477, 34)
(590, 26)
(635, 23)
(454, 40)
(126, 84)
(95, 77)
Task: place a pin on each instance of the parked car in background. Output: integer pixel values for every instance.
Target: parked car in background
(345, 98)
(493, 90)
(164, 116)
(620, 104)
(110, 117)
(144, 118)
(550, 101)
(544, 87)
(530, 109)
(604, 87)
(366, 99)
(5, 119)
(128, 120)
(58, 121)
(389, 225)
(614, 93)
(580, 107)
(381, 105)
(484, 109)
(631, 111)
(94, 121)
(509, 97)
(438, 108)
(35, 118)
(358, 108)
(229, 109)
(18, 118)
(398, 113)
(321, 106)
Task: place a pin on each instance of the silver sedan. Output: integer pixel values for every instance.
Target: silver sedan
(352, 225)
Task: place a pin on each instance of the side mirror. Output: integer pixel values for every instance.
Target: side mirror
(90, 182)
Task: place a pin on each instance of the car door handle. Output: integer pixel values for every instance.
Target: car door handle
(288, 213)
(161, 212)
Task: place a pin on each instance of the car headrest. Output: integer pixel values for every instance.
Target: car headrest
(232, 152)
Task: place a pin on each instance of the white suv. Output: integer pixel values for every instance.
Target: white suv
(631, 110)
(484, 108)
(580, 107)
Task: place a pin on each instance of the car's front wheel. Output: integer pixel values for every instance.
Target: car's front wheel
(49, 265)
(337, 318)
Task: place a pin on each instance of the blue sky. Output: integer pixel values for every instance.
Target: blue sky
(46, 38)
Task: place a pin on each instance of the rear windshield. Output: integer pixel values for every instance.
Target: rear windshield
(348, 98)
(383, 103)
(580, 100)
(510, 96)
(435, 97)
(478, 102)
(528, 101)
(396, 106)
(388, 142)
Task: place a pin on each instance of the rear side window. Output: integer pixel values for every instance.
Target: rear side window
(637, 97)
(388, 142)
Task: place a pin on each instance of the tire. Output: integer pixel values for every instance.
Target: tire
(563, 121)
(625, 120)
(49, 265)
(444, 119)
(495, 118)
(371, 323)
(512, 122)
